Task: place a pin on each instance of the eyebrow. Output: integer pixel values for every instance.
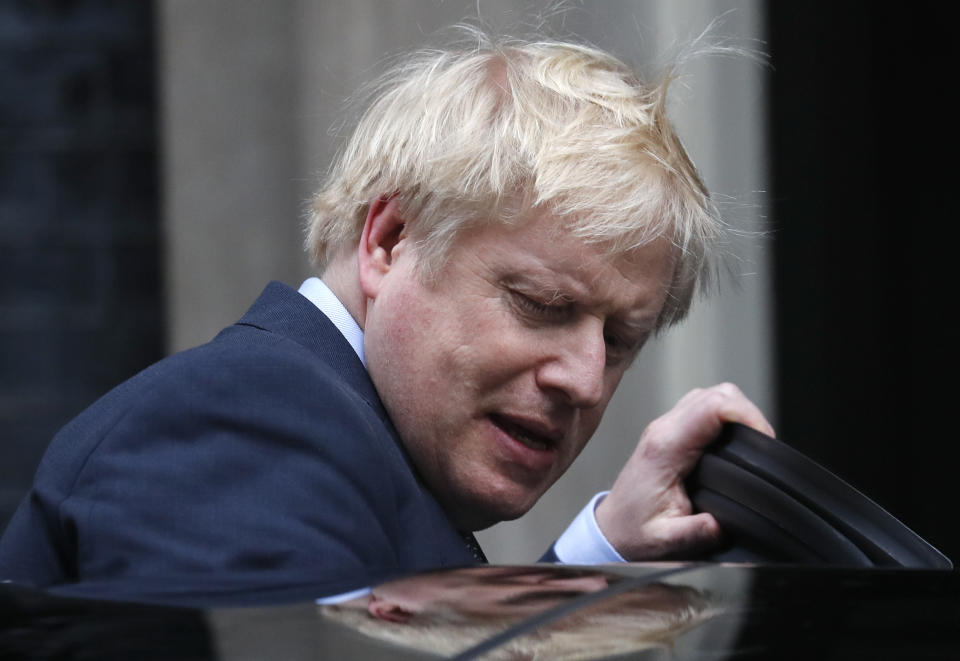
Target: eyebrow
(540, 287)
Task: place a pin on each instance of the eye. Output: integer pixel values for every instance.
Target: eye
(613, 341)
(617, 349)
(621, 347)
(555, 310)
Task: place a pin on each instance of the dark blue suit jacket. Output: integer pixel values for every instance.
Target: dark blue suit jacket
(265, 454)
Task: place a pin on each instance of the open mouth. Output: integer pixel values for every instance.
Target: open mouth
(526, 436)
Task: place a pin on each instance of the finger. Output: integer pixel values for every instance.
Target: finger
(684, 536)
(701, 412)
(677, 437)
(731, 405)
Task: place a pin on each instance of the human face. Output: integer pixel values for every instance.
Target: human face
(497, 371)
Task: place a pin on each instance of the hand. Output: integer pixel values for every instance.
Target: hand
(647, 515)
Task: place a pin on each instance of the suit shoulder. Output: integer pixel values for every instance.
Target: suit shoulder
(249, 385)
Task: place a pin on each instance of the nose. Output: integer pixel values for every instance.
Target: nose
(574, 364)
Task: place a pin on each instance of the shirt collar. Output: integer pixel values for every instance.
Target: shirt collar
(320, 295)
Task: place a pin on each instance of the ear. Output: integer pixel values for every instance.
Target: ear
(388, 611)
(383, 231)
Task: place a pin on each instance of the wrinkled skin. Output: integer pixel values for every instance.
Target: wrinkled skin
(496, 373)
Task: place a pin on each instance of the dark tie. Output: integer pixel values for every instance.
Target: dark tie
(474, 547)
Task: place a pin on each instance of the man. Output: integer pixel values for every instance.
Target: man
(505, 229)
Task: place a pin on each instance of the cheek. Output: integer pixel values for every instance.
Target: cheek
(486, 348)
(589, 419)
(424, 361)
(396, 341)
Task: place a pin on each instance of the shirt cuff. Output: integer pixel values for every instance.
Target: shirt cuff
(344, 596)
(582, 543)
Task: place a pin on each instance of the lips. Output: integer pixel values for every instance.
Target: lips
(530, 433)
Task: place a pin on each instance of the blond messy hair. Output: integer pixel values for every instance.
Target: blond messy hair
(492, 132)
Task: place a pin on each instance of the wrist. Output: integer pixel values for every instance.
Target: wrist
(583, 542)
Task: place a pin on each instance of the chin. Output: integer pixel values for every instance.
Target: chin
(483, 511)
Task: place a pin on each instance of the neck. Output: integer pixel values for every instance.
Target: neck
(343, 278)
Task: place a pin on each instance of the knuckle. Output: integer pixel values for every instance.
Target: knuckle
(724, 396)
(656, 430)
(729, 389)
(716, 399)
(655, 437)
